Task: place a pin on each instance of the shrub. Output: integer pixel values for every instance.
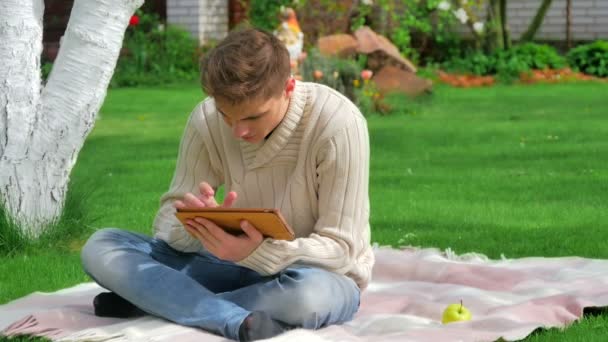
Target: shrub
(336, 73)
(419, 29)
(265, 14)
(508, 64)
(590, 58)
(476, 63)
(538, 56)
(155, 54)
(343, 75)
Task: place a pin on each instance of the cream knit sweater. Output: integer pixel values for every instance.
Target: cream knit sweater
(314, 167)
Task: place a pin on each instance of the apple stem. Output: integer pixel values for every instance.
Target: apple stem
(460, 309)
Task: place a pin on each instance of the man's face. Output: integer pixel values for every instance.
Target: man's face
(253, 120)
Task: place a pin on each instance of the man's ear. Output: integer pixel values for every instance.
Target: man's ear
(289, 86)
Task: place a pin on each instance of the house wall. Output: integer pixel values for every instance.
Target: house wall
(589, 19)
(210, 19)
(206, 19)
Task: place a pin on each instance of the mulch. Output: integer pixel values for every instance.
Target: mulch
(534, 76)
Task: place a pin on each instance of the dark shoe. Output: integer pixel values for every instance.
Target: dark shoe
(109, 304)
(259, 325)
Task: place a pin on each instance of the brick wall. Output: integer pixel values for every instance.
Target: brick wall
(205, 19)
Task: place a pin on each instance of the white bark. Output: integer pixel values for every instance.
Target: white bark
(41, 132)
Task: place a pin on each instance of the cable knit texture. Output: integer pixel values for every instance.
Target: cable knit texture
(314, 167)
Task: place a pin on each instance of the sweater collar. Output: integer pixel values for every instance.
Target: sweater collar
(255, 155)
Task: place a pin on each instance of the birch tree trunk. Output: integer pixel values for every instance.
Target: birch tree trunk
(42, 129)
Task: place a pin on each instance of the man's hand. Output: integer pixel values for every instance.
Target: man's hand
(224, 245)
(206, 199)
(221, 244)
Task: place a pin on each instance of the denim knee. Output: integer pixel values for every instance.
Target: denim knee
(316, 298)
(98, 255)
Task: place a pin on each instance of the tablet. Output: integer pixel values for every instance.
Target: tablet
(269, 222)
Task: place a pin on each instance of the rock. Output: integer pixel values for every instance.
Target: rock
(393, 72)
(371, 43)
(341, 45)
(393, 79)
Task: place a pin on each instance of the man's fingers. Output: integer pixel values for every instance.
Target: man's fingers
(192, 201)
(207, 195)
(229, 199)
(179, 204)
(203, 234)
(251, 231)
(190, 231)
(218, 233)
(209, 201)
(206, 189)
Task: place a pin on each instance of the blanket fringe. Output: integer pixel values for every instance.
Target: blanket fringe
(28, 325)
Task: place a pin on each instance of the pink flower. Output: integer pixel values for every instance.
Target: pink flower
(366, 74)
(134, 21)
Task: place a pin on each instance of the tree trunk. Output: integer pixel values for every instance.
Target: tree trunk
(42, 130)
(569, 24)
(496, 37)
(504, 25)
(537, 21)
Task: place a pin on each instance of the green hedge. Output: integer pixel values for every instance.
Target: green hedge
(508, 64)
(590, 58)
(154, 53)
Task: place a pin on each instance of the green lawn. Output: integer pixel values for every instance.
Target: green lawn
(513, 170)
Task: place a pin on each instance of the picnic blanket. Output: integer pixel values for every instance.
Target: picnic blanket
(508, 298)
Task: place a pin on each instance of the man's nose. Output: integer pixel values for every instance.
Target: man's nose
(240, 129)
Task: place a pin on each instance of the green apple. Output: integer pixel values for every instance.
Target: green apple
(456, 313)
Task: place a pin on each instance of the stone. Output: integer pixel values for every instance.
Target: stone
(371, 43)
(340, 45)
(394, 79)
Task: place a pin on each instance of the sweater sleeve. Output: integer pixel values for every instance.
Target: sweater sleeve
(193, 166)
(341, 231)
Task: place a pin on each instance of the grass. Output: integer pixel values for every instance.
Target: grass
(506, 170)
(67, 232)
(513, 170)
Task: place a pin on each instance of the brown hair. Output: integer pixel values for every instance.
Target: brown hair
(248, 64)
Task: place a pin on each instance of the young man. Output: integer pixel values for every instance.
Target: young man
(274, 143)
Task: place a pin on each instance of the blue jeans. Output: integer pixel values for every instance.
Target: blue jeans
(200, 290)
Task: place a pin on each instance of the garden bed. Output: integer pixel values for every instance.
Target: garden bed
(533, 76)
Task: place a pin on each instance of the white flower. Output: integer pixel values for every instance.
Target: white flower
(462, 16)
(367, 2)
(478, 27)
(444, 5)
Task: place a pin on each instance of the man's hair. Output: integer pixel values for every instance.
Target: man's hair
(248, 64)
